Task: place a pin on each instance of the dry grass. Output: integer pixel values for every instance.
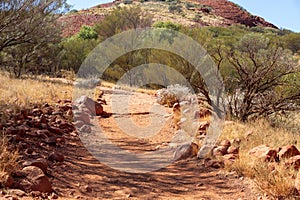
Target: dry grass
(8, 159)
(23, 93)
(277, 183)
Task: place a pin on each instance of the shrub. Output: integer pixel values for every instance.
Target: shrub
(189, 5)
(127, 1)
(172, 94)
(197, 18)
(175, 8)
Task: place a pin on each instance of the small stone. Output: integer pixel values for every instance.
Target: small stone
(53, 196)
(85, 129)
(288, 151)
(16, 192)
(294, 161)
(220, 151)
(200, 184)
(9, 182)
(232, 150)
(57, 157)
(225, 143)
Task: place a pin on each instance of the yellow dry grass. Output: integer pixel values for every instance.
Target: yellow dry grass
(278, 183)
(8, 159)
(26, 92)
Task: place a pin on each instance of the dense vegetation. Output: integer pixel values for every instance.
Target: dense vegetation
(258, 65)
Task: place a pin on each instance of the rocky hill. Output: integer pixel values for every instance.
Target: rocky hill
(191, 13)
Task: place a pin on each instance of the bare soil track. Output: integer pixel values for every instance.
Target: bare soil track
(82, 176)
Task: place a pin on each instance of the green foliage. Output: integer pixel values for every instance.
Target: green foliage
(73, 11)
(29, 35)
(258, 85)
(292, 41)
(175, 8)
(88, 33)
(127, 2)
(121, 19)
(74, 51)
(197, 18)
(189, 5)
(167, 25)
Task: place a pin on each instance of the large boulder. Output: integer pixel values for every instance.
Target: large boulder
(94, 107)
(288, 151)
(186, 151)
(264, 152)
(34, 179)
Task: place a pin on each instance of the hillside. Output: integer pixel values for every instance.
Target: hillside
(191, 13)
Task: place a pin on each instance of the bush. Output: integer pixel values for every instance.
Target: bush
(175, 8)
(189, 5)
(172, 94)
(127, 1)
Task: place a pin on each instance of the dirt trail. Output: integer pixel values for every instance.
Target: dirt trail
(82, 176)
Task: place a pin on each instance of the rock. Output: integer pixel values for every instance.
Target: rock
(176, 115)
(78, 124)
(51, 140)
(232, 150)
(37, 112)
(53, 196)
(220, 151)
(213, 163)
(203, 126)
(9, 182)
(294, 162)
(40, 163)
(230, 156)
(288, 151)
(225, 143)
(65, 107)
(57, 157)
(35, 180)
(82, 116)
(94, 107)
(44, 133)
(29, 151)
(16, 192)
(85, 129)
(264, 152)
(235, 142)
(55, 130)
(43, 119)
(186, 151)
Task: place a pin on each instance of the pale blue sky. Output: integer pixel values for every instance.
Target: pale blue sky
(282, 13)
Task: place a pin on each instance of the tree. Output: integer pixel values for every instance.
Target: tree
(260, 83)
(88, 33)
(74, 51)
(121, 19)
(28, 29)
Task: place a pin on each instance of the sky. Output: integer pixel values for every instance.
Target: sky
(282, 13)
